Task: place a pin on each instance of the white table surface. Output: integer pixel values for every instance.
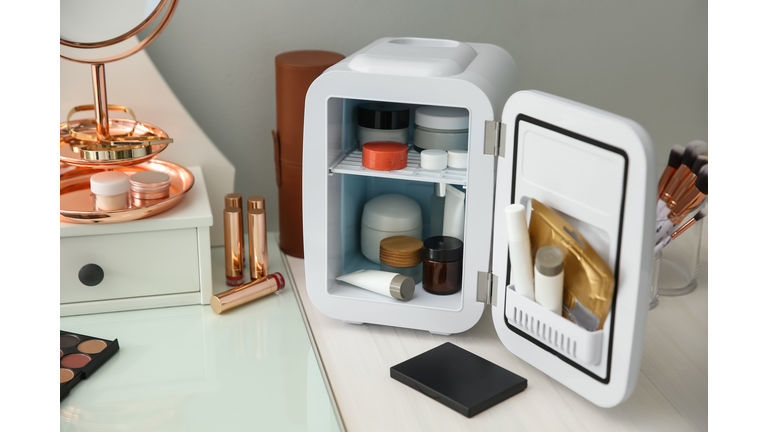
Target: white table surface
(670, 395)
(188, 369)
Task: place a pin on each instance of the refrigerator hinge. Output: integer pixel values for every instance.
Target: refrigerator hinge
(487, 285)
(495, 138)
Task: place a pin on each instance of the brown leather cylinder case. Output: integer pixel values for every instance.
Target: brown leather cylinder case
(294, 72)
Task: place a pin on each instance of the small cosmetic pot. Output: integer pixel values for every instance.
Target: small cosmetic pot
(385, 155)
(434, 160)
(442, 261)
(457, 159)
(149, 187)
(380, 121)
(386, 216)
(442, 128)
(402, 255)
(109, 190)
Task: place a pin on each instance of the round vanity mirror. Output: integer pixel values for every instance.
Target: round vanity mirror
(93, 23)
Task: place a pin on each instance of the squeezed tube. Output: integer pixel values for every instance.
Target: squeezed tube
(453, 219)
(519, 249)
(385, 283)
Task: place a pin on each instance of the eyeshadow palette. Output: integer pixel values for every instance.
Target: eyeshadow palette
(80, 356)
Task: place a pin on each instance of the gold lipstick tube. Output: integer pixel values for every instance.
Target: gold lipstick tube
(233, 245)
(256, 202)
(257, 243)
(247, 293)
(233, 200)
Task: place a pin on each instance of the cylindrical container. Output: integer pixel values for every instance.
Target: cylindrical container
(257, 243)
(255, 202)
(654, 295)
(385, 155)
(520, 250)
(388, 216)
(548, 278)
(457, 159)
(294, 72)
(437, 210)
(679, 263)
(385, 283)
(233, 200)
(442, 260)
(402, 255)
(233, 245)
(441, 128)
(149, 187)
(380, 121)
(247, 293)
(109, 190)
(434, 160)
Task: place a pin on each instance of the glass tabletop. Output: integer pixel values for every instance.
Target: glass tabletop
(186, 368)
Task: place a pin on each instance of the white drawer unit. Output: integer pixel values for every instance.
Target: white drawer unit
(160, 261)
(594, 168)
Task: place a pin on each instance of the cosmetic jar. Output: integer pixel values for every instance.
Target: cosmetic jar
(441, 128)
(402, 255)
(149, 187)
(442, 263)
(388, 216)
(379, 121)
(109, 190)
(457, 159)
(434, 160)
(385, 155)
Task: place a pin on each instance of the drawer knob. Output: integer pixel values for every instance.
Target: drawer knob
(91, 275)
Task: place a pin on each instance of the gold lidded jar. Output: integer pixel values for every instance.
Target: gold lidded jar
(402, 255)
(149, 187)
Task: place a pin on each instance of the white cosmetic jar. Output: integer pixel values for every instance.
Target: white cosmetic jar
(441, 128)
(380, 121)
(388, 216)
(109, 190)
(434, 160)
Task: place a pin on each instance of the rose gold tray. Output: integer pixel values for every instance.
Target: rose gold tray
(70, 147)
(76, 205)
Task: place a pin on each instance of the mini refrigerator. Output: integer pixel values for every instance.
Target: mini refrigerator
(593, 168)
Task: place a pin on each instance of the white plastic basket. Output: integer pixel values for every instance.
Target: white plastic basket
(553, 330)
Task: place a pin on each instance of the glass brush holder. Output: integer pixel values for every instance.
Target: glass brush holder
(676, 266)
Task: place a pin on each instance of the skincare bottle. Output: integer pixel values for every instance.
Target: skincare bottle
(385, 283)
(548, 278)
(109, 190)
(437, 209)
(520, 250)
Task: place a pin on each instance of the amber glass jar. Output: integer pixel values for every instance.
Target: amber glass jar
(442, 265)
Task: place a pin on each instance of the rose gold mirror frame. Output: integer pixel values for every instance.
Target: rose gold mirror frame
(97, 65)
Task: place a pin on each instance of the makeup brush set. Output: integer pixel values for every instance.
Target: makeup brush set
(683, 187)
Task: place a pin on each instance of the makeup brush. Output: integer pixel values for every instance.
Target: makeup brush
(699, 216)
(693, 150)
(689, 201)
(688, 181)
(675, 159)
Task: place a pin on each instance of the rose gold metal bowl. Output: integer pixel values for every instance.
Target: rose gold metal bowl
(76, 205)
(88, 154)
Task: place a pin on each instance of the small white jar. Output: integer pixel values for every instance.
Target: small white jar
(457, 159)
(442, 128)
(378, 121)
(110, 190)
(388, 216)
(434, 160)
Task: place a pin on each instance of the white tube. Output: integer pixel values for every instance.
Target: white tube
(519, 249)
(548, 278)
(453, 219)
(385, 283)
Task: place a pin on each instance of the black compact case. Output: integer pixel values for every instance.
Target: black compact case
(80, 356)
(458, 379)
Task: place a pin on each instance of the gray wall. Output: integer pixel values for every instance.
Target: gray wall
(646, 60)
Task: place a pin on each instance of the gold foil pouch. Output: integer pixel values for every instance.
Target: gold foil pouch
(588, 278)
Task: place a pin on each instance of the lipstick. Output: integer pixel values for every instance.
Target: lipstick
(257, 243)
(233, 245)
(233, 200)
(247, 293)
(255, 202)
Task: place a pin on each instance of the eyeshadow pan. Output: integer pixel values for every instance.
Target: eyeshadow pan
(93, 346)
(66, 341)
(65, 375)
(75, 360)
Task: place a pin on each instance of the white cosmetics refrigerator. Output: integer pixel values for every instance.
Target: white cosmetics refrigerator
(594, 168)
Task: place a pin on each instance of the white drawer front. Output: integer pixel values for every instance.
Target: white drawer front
(135, 265)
